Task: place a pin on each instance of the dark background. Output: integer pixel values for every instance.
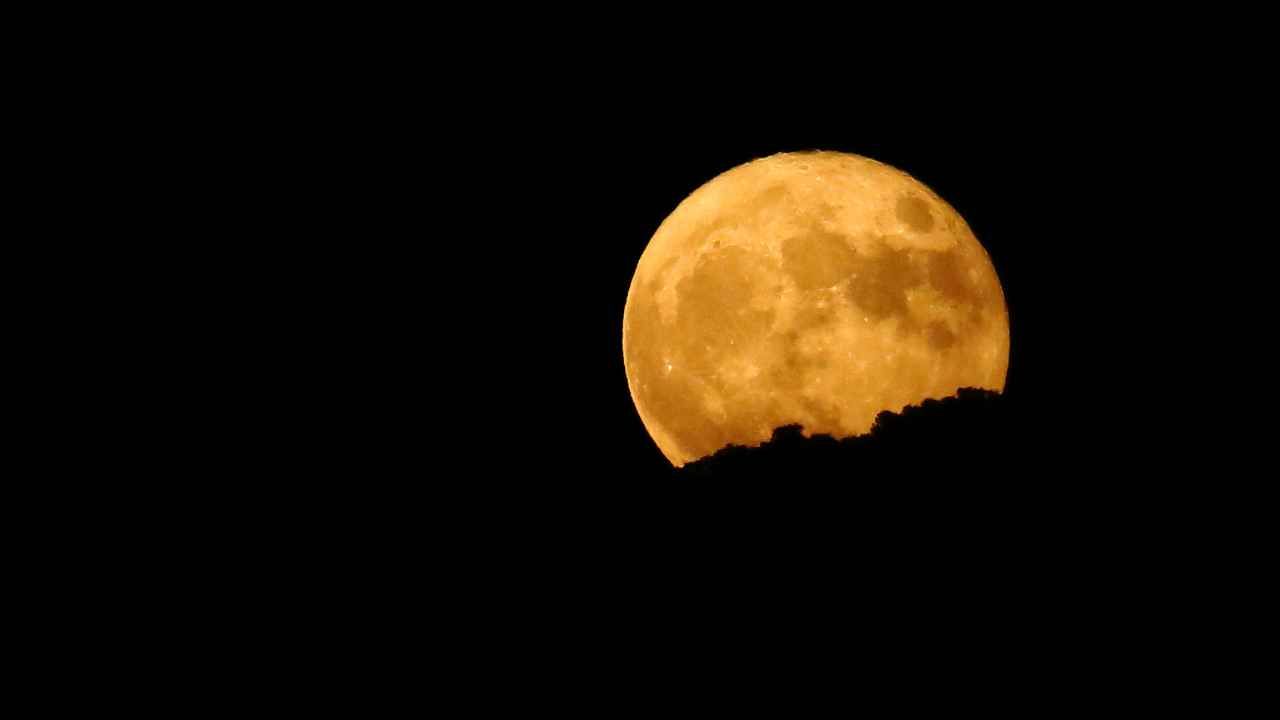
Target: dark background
(1086, 191)
(392, 427)
(1054, 198)
(485, 221)
(485, 232)
(537, 216)
(1076, 186)
(489, 215)
(419, 426)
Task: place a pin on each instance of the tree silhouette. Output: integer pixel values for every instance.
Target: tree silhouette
(933, 437)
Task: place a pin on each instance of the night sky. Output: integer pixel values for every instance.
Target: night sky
(422, 443)
(485, 269)
(1046, 214)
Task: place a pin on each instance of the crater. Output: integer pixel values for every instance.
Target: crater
(914, 211)
(883, 279)
(940, 336)
(659, 278)
(767, 199)
(818, 259)
(948, 273)
(762, 202)
(880, 290)
(788, 372)
(715, 314)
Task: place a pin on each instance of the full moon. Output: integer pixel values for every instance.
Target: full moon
(816, 289)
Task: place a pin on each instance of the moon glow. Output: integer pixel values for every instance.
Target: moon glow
(816, 289)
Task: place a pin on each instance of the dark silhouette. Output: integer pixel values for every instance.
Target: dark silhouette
(957, 433)
(959, 465)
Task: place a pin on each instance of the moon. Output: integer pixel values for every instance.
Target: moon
(817, 289)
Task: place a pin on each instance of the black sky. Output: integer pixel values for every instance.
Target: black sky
(401, 385)
(539, 187)
(1045, 199)
(430, 432)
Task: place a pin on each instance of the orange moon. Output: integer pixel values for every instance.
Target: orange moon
(816, 289)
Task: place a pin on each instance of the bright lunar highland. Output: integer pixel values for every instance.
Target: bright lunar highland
(816, 289)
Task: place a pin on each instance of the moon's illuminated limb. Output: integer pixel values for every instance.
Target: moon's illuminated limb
(809, 288)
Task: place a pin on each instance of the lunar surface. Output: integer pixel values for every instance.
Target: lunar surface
(816, 289)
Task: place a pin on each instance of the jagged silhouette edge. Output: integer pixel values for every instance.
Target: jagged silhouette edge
(887, 422)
